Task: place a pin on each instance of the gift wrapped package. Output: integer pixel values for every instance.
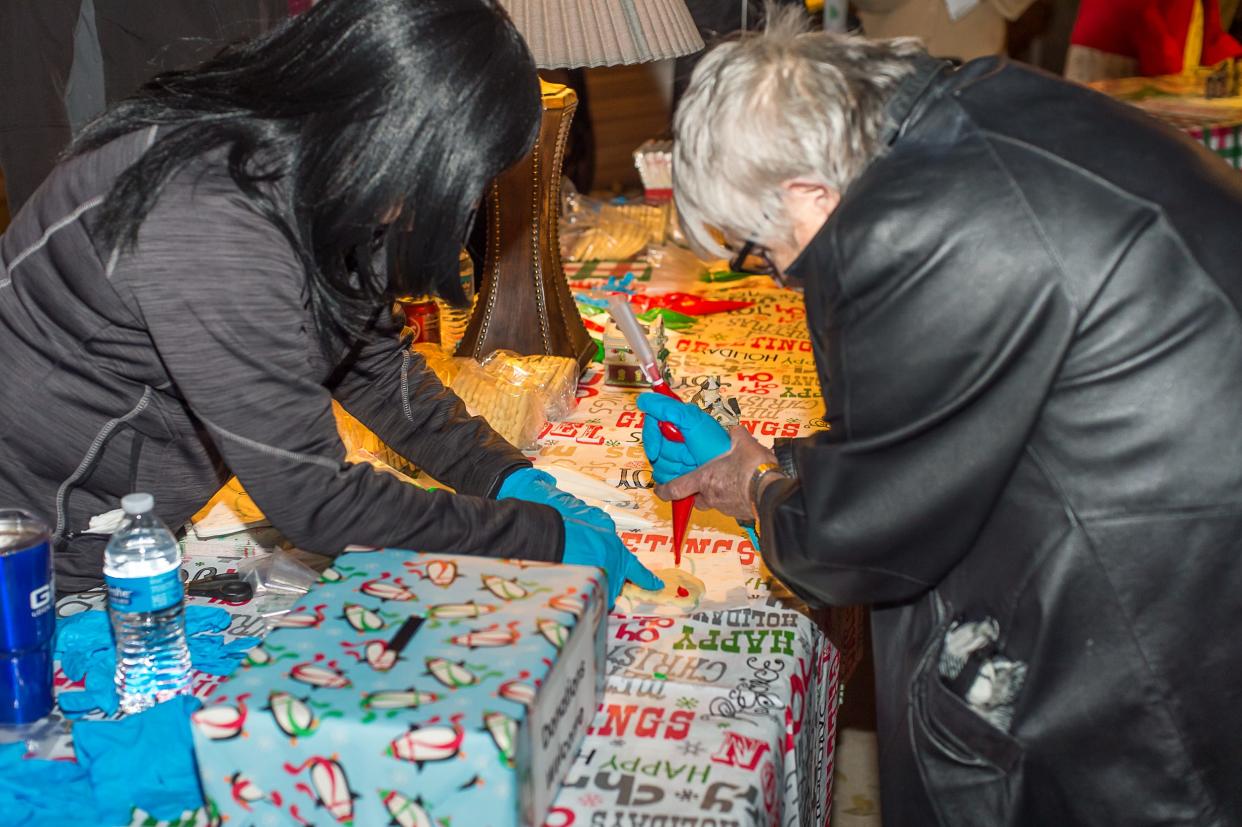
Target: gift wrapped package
(410, 689)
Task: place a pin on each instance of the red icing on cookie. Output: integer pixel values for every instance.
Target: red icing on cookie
(681, 592)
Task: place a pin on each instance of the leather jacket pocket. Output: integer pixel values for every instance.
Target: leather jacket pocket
(970, 768)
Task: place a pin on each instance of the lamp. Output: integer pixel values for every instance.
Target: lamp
(524, 303)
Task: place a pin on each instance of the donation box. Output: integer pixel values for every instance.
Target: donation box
(410, 689)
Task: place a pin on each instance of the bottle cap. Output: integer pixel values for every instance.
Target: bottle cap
(137, 503)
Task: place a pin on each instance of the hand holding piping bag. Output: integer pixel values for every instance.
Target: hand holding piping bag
(703, 438)
(623, 315)
(680, 438)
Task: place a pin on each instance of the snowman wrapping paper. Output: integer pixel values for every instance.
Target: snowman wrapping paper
(411, 689)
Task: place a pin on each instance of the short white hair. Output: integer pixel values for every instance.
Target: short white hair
(772, 106)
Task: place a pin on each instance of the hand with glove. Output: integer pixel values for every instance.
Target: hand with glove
(705, 439)
(724, 483)
(590, 545)
(535, 486)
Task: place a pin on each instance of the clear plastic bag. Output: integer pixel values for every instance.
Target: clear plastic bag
(518, 395)
(674, 268)
(591, 229)
(515, 412)
(277, 573)
(555, 376)
(439, 360)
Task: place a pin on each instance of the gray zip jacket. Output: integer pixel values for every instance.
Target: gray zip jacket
(193, 357)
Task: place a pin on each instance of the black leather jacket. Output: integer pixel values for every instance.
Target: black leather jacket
(1027, 315)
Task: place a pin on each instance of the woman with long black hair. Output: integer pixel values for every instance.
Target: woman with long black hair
(216, 260)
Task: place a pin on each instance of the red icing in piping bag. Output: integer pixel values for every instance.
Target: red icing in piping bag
(683, 508)
(636, 336)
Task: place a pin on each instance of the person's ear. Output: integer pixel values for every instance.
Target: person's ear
(809, 203)
(812, 194)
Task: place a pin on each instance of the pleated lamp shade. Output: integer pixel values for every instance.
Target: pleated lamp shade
(568, 34)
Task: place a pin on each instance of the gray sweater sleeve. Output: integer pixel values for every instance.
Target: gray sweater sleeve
(393, 392)
(221, 294)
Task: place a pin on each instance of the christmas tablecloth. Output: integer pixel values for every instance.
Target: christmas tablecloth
(723, 715)
(721, 712)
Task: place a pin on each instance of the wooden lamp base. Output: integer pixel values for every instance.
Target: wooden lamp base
(524, 303)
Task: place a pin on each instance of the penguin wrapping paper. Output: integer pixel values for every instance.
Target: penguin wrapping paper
(410, 689)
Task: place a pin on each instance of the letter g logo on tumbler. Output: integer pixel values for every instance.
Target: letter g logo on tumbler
(27, 618)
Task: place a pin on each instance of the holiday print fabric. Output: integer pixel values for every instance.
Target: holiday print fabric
(723, 712)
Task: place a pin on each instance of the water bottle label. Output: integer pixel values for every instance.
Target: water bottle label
(145, 594)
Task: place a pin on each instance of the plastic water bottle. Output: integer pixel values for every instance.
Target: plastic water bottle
(146, 605)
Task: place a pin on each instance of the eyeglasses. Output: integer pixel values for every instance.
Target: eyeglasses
(753, 257)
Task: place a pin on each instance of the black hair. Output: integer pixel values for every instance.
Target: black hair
(351, 109)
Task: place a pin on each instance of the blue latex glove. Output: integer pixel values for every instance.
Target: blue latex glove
(588, 545)
(705, 438)
(535, 486)
(85, 650)
(44, 793)
(208, 651)
(210, 654)
(144, 760)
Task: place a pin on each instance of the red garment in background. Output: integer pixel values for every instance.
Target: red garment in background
(299, 6)
(1153, 32)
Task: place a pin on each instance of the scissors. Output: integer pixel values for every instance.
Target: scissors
(228, 587)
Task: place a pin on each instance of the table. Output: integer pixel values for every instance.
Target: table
(748, 678)
(1178, 100)
(725, 716)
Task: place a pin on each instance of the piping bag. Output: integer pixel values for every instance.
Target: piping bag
(627, 323)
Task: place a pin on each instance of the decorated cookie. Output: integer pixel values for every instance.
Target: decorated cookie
(682, 590)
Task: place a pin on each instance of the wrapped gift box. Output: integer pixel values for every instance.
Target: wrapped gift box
(411, 689)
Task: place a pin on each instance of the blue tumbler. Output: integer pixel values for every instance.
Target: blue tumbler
(27, 618)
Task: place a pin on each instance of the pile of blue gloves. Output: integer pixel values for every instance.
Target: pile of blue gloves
(85, 650)
(590, 534)
(144, 760)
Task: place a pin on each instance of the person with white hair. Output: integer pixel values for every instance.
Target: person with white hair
(1026, 310)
